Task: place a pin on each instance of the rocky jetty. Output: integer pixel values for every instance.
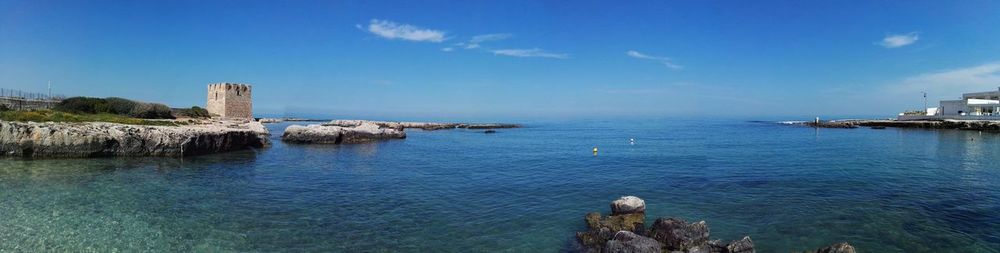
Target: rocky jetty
(328, 134)
(624, 231)
(981, 125)
(98, 139)
(429, 126)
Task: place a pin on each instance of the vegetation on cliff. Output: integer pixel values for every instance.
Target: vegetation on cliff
(57, 116)
(113, 105)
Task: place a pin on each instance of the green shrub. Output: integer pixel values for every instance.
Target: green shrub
(4, 108)
(80, 105)
(113, 105)
(194, 112)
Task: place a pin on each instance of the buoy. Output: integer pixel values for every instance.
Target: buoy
(595, 150)
(631, 141)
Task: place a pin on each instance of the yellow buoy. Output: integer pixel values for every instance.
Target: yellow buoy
(595, 150)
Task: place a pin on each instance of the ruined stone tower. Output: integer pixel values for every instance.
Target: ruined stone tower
(230, 100)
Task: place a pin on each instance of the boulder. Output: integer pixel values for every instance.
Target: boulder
(600, 229)
(326, 134)
(836, 248)
(627, 205)
(628, 242)
(678, 234)
(744, 245)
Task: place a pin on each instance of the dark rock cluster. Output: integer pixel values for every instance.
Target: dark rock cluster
(624, 231)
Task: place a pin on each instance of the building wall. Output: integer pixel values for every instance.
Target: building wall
(953, 107)
(230, 100)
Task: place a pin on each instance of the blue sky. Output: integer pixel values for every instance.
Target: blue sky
(505, 59)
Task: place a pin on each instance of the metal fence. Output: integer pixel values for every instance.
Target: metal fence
(18, 94)
(20, 100)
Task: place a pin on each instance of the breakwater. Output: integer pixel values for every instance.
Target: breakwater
(983, 125)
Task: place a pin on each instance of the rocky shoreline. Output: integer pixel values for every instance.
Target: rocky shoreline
(624, 231)
(429, 126)
(99, 139)
(361, 131)
(981, 125)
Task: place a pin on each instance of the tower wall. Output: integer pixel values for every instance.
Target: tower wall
(230, 100)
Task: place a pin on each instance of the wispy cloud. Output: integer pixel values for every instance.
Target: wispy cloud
(969, 79)
(663, 60)
(476, 40)
(899, 40)
(392, 30)
(534, 52)
(448, 49)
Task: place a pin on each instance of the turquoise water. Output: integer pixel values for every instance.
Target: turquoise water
(522, 190)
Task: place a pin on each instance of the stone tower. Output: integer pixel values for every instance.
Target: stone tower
(230, 100)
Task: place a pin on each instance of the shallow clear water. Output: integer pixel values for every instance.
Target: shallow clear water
(789, 188)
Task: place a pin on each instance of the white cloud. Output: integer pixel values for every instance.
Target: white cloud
(448, 49)
(476, 40)
(534, 52)
(899, 40)
(954, 82)
(663, 60)
(392, 30)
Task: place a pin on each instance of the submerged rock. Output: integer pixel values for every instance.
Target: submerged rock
(625, 241)
(628, 204)
(100, 139)
(836, 248)
(325, 134)
(678, 234)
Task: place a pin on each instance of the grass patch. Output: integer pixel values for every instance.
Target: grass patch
(56, 116)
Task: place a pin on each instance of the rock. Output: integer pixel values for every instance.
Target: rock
(326, 134)
(625, 241)
(677, 234)
(100, 139)
(627, 205)
(490, 131)
(744, 245)
(429, 126)
(269, 120)
(488, 126)
(601, 228)
(836, 248)
(312, 134)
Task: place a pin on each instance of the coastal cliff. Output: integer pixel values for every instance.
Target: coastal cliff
(98, 139)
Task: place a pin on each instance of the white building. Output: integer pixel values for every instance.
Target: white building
(977, 105)
(973, 104)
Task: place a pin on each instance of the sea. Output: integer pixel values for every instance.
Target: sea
(789, 187)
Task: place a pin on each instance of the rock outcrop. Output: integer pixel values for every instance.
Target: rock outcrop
(982, 125)
(429, 126)
(625, 241)
(624, 231)
(835, 248)
(627, 205)
(326, 134)
(98, 139)
(678, 234)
